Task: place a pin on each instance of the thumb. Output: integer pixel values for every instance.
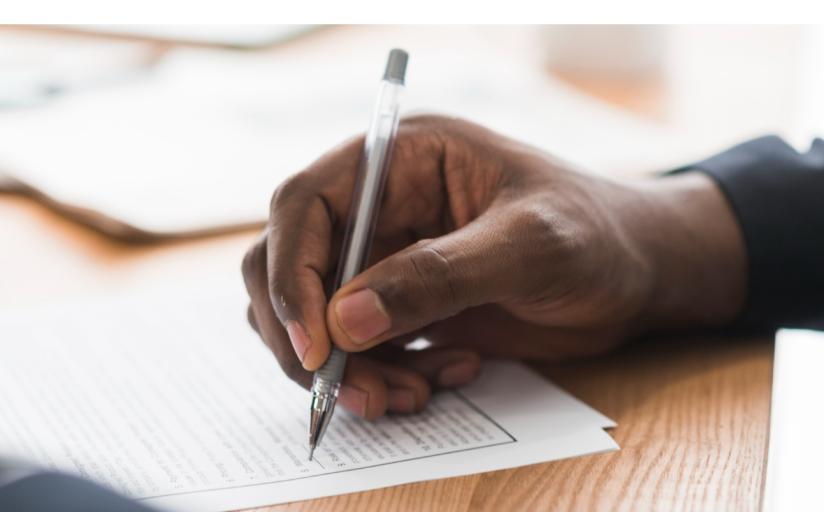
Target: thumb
(426, 282)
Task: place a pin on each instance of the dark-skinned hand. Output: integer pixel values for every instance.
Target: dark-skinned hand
(485, 247)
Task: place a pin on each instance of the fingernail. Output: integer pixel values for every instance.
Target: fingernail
(362, 316)
(300, 340)
(401, 400)
(457, 374)
(353, 399)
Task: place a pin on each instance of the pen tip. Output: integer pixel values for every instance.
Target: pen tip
(311, 451)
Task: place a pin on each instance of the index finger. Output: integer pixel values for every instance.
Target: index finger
(302, 222)
(308, 215)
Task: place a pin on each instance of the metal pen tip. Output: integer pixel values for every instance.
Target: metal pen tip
(319, 415)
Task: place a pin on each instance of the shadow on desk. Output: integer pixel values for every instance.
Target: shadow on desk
(639, 374)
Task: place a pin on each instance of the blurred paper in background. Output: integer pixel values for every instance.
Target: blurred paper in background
(201, 141)
(240, 36)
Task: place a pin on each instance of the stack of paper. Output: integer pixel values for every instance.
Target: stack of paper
(176, 402)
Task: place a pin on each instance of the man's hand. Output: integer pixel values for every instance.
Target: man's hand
(485, 247)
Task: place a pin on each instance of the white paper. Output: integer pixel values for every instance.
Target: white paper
(206, 138)
(796, 444)
(174, 401)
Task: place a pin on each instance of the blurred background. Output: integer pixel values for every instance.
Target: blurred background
(144, 134)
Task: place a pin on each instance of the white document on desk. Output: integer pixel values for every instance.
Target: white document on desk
(175, 402)
(793, 480)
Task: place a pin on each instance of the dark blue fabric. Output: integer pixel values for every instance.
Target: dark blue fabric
(52, 492)
(777, 194)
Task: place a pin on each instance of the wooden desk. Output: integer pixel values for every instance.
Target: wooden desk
(692, 413)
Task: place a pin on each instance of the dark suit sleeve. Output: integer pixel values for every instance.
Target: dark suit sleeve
(50, 492)
(777, 195)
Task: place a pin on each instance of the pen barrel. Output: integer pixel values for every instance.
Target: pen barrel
(330, 373)
(369, 184)
(363, 212)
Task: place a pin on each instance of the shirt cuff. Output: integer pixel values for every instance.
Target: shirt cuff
(777, 195)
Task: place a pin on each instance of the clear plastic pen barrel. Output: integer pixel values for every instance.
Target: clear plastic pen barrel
(363, 216)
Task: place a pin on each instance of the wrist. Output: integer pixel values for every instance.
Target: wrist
(696, 252)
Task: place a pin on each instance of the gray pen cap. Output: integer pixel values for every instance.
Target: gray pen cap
(396, 66)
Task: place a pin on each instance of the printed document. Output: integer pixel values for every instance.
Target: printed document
(173, 400)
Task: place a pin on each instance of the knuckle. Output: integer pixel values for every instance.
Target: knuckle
(433, 271)
(246, 264)
(422, 119)
(253, 262)
(438, 123)
(543, 237)
(250, 317)
(288, 189)
(429, 119)
(546, 234)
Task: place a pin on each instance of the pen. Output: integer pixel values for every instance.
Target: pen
(363, 214)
